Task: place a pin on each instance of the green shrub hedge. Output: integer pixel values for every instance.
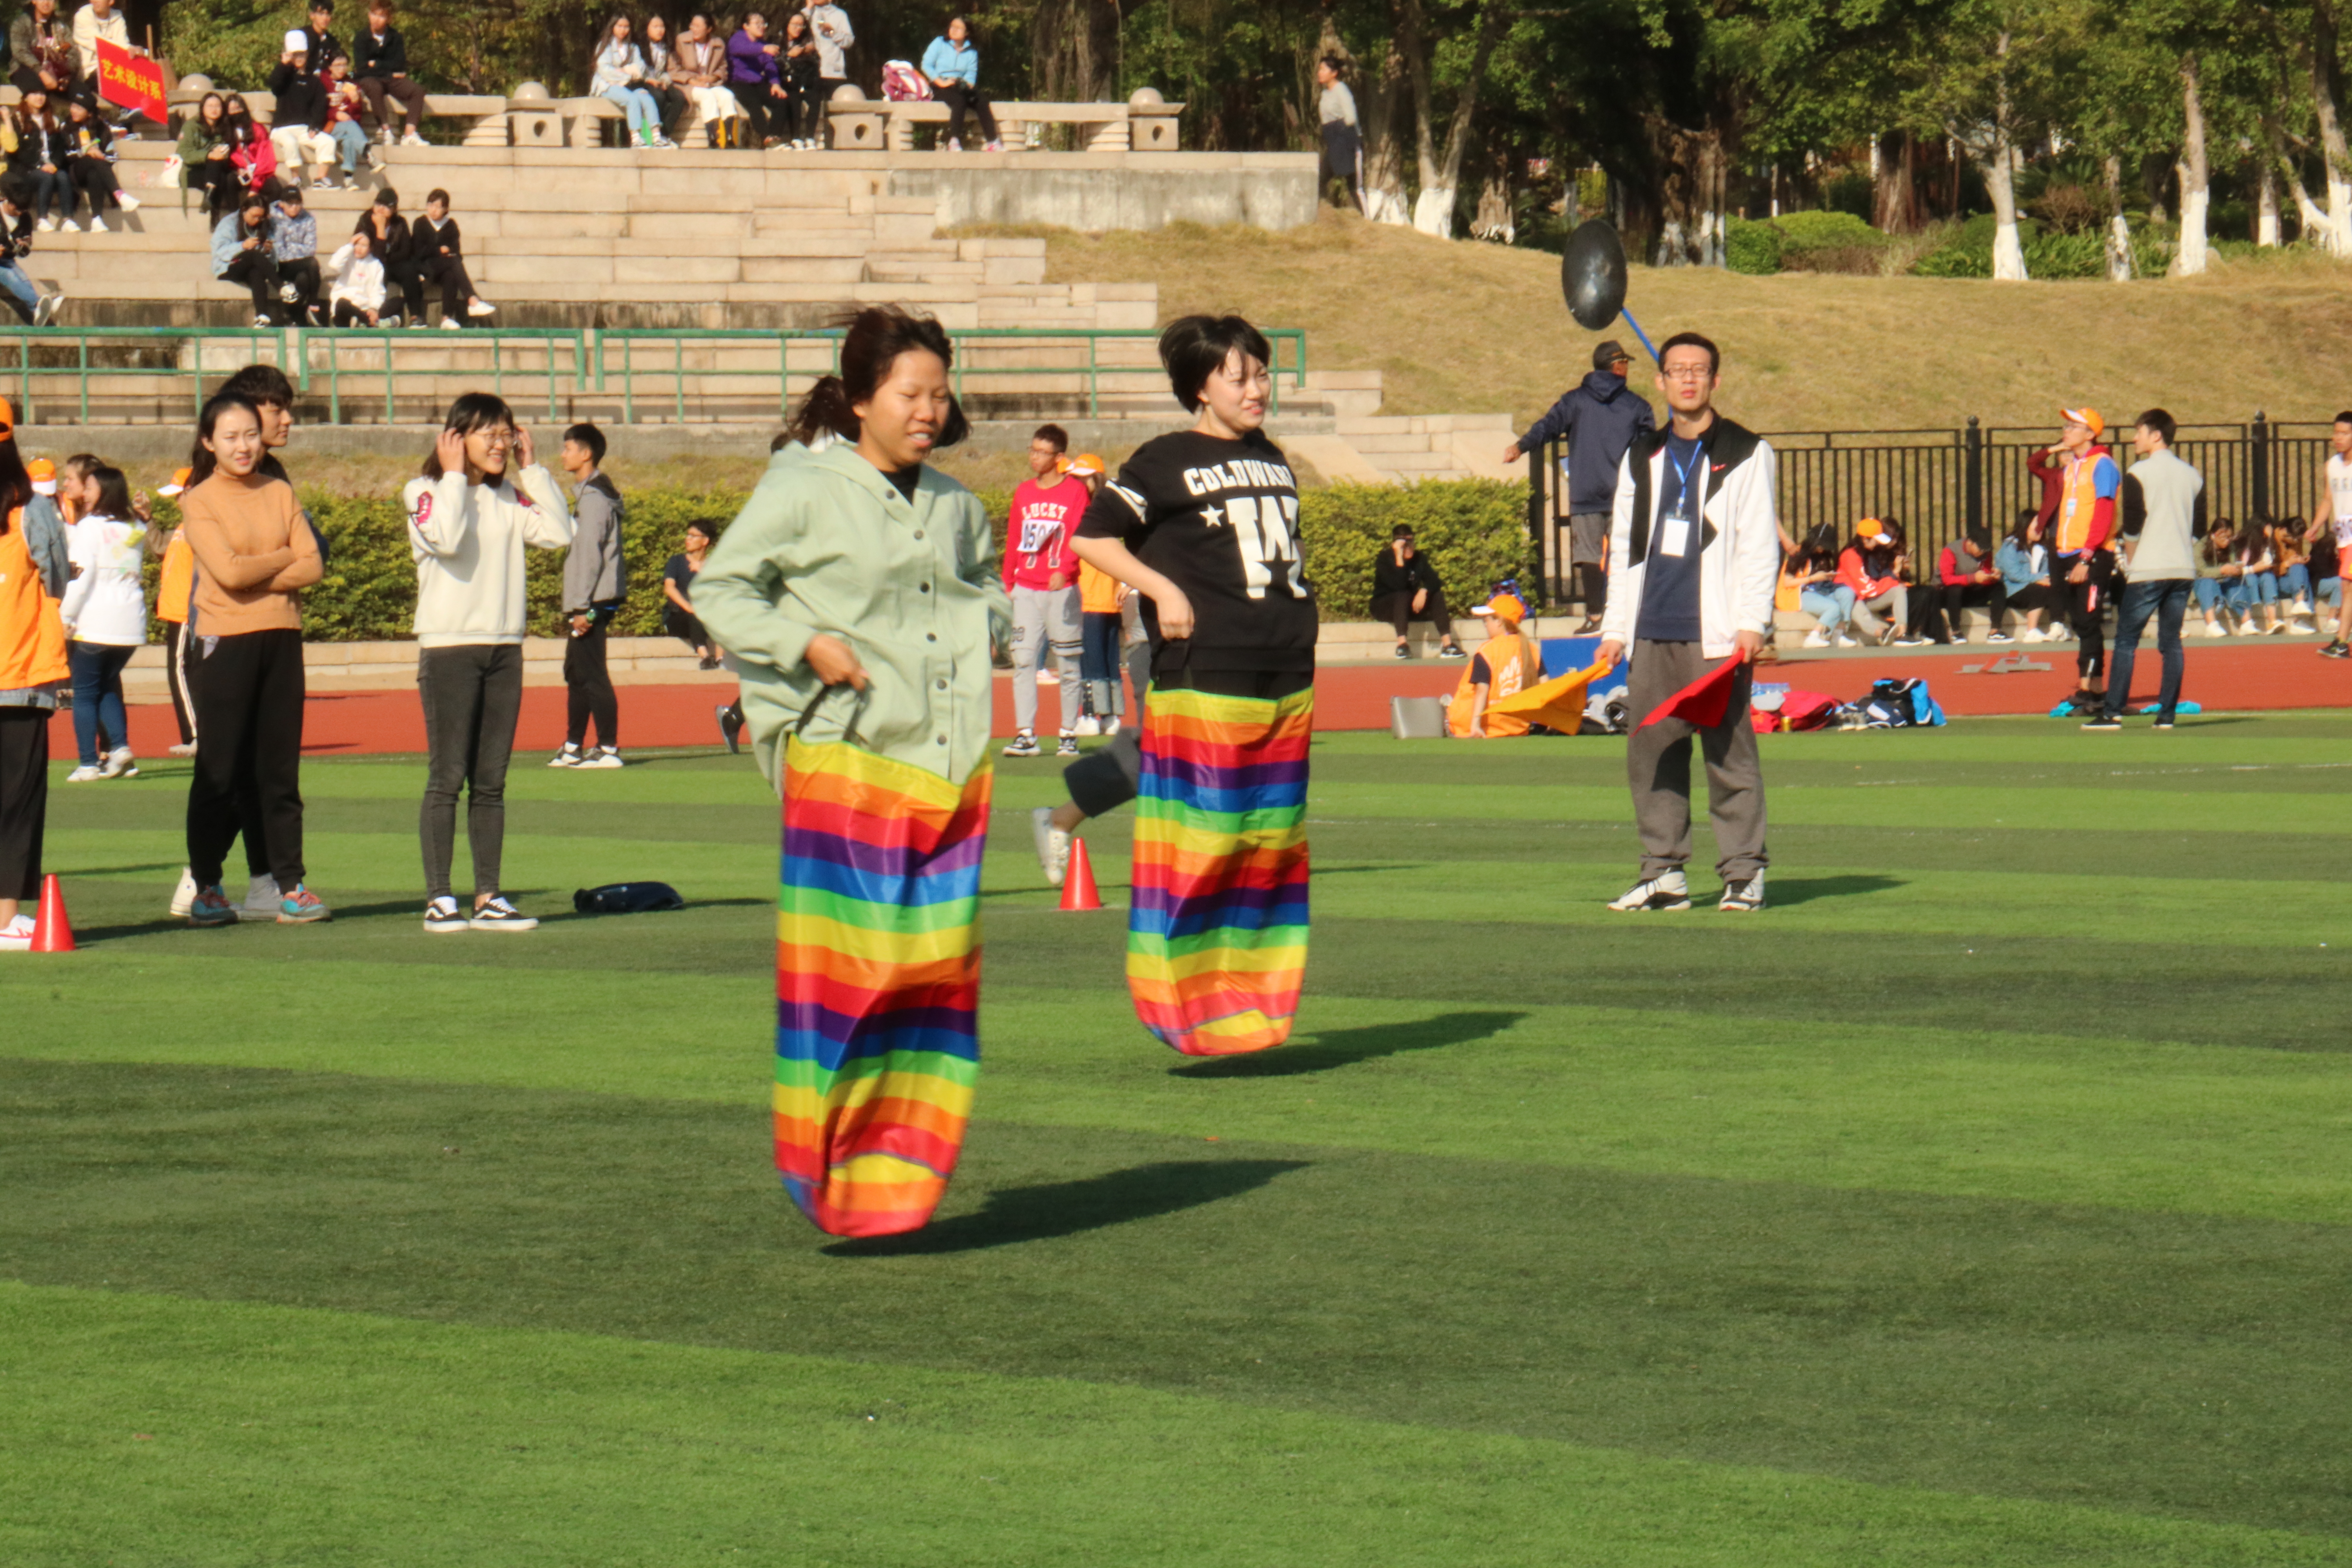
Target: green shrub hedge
(1474, 530)
(2049, 256)
(1751, 247)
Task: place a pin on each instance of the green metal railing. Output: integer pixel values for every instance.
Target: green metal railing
(565, 363)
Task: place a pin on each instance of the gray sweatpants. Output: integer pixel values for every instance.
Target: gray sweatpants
(1109, 776)
(1043, 618)
(473, 695)
(1657, 766)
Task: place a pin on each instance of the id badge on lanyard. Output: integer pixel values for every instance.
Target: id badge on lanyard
(1674, 528)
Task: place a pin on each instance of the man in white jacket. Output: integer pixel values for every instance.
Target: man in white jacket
(468, 520)
(1695, 547)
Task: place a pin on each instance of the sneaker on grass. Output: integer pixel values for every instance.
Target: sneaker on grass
(120, 764)
(89, 773)
(261, 899)
(1743, 898)
(1024, 744)
(1066, 746)
(212, 908)
(301, 906)
(1666, 890)
(730, 728)
(443, 916)
(601, 757)
(497, 914)
(16, 935)
(570, 757)
(2103, 721)
(185, 893)
(1052, 845)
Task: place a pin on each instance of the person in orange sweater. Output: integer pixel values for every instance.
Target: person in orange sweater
(253, 556)
(172, 586)
(33, 671)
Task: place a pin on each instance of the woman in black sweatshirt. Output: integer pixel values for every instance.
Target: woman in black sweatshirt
(440, 257)
(1405, 589)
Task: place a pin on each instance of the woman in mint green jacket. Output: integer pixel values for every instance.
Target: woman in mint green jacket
(859, 593)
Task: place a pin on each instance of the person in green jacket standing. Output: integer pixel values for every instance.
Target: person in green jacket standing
(860, 593)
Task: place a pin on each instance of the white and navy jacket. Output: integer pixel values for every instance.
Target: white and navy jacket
(1739, 535)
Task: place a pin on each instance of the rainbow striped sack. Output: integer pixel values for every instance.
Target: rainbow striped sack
(1216, 938)
(878, 984)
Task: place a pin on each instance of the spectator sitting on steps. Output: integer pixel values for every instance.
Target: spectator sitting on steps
(383, 224)
(35, 307)
(355, 295)
(251, 159)
(294, 241)
(1405, 589)
(300, 109)
(242, 254)
(661, 75)
(438, 250)
(41, 53)
(100, 20)
(380, 65)
(700, 67)
(43, 162)
(618, 75)
(756, 78)
(90, 152)
(952, 68)
(341, 106)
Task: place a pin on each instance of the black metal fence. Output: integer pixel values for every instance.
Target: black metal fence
(1942, 482)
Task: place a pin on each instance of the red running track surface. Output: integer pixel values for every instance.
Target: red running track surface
(2234, 675)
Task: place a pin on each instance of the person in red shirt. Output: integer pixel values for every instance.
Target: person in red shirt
(1041, 572)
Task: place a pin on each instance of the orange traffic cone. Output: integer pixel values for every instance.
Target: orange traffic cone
(1078, 882)
(52, 933)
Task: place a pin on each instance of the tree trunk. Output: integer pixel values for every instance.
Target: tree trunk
(2194, 175)
(2000, 177)
(1690, 182)
(1893, 204)
(1493, 219)
(1380, 95)
(2119, 235)
(1074, 51)
(2266, 205)
(1441, 173)
(2327, 93)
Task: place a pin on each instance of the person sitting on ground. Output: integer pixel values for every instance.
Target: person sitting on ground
(700, 67)
(2024, 567)
(1405, 589)
(438, 250)
(44, 161)
(1965, 575)
(2220, 588)
(355, 294)
(678, 618)
(661, 75)
(1868, 567)
(294, 241)
(91, 155)
(24, 296)
(1811, 571)
(1505, 664)
(105, 615)
(755, 79)
(242, 253)
(952, 68)
(41, 53)
(379, 66)
(618, 75)
(803, 86)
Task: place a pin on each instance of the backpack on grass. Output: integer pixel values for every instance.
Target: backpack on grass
(627, 899)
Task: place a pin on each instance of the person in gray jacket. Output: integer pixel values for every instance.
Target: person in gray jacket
(2163, 517)
(1601, 418)
(596, 578)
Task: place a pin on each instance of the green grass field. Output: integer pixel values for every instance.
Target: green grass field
(1984, 1201)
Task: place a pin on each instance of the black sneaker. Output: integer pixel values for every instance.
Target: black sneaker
(2338, 649)
(1068, 746)
(2103, 721)
(501, 915)
(2161, 723)
(1024, 744)
(570, 757)
(1402, 651)
(730, 728)
(1452, 651)
(443, 916)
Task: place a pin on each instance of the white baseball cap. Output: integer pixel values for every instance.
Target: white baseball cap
(298, 42)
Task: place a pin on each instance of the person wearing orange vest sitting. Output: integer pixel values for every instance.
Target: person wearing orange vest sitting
(33, 670)
(2080, 483)
(1505, 665)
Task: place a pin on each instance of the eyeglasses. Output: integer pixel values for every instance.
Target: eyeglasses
(1686, 372)
(497, 435)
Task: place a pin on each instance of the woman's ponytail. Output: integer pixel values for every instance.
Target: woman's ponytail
(825, 411)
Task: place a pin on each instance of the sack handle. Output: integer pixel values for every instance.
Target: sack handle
(848, 730)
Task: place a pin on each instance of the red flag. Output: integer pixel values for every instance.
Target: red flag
(1703, 701)
(125, 79)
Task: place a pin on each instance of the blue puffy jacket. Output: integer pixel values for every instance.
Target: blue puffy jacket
(1602, 417)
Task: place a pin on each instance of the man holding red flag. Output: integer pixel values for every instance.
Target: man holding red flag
(1695, 547)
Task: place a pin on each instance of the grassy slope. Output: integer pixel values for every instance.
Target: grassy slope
(1472, 328)
(1955, 1212)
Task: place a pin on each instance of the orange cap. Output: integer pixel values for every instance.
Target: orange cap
(7, 420)
(2089, 416)
(1085, 463)
(180, 477)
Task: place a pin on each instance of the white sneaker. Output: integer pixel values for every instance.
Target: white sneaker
(1110, 726)
(1817, 638)
(1999, 636)
(89, 773)
(413, 140)
(261, 900)
(1052, 845)
(571, 756)
(2030, 634)
(1743, 898)
(2274, 629)
(120, 764)
(46, 309)
(452, 324)
(96, 224)
(480, 308)
(184, 894)
(1047, 677)
(1847, 639)
(604, 757)
(126, 201)
(47, 225)
(1667, 890)
(442, 916)
(1088, 725)
(2250, 628)
(500, 915)
(16, 936)
(2216, 629)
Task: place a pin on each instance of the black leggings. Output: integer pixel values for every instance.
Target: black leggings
(962, 99)
(258, 270)
(24, 800)
(247, 691)
(2086, 608)
(1398, 611)
(588, 684)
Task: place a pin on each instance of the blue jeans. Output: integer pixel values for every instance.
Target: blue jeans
(351, 142)
(2331, 591)
(1098, 639)
(2230, 592)
(2167, 599)
(2295, 582)
(60, 185)
(21, 291)
(2264, 586)
(97, 670)
(644, 114)
(1832, 606)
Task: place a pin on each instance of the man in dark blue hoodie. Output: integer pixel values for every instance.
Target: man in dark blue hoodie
(1600, 417)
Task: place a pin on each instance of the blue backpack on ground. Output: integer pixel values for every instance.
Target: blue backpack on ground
(1900, 705)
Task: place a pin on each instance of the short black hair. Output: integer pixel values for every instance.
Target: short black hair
(260, 385)
(326, 6)
(2343, 418)
(2158, 420)
(1053, 433)
(589, 436)
(1194, 348)
(1401, 531)
(1693, 340)
(436, 195)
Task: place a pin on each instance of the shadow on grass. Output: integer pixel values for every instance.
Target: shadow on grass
(1345, 1047)
(1057, 1209)
(1806, 890)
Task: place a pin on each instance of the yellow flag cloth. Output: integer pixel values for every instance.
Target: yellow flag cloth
(1558, 702)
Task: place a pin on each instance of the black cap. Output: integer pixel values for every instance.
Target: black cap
(1608, 354)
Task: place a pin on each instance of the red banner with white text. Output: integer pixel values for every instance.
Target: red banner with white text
(125, 79)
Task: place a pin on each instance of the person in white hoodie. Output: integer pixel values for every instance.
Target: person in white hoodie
(1693, 556)
(470, 518)
(355, 284)
(105, 615)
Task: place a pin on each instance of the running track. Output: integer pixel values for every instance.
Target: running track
(2233, 675)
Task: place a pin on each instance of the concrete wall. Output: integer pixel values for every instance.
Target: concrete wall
(1125, 191)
